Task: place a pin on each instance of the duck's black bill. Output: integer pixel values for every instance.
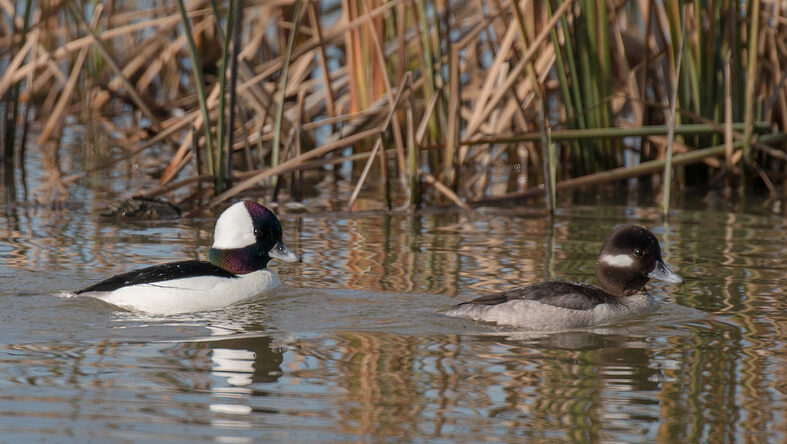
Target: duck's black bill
(663, 273)
(282, 253)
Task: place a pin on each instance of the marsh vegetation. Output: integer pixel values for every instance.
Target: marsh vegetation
(416, 102)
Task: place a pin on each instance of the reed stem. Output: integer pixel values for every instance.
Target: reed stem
(220, 127)
(667, 175)
(282, 89)
(199, 84)
(751, 75)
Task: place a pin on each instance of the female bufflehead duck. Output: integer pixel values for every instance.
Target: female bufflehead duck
(247, 236)
(629, 258)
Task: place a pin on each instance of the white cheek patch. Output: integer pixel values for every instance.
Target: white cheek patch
(234, 229)
(617, 260)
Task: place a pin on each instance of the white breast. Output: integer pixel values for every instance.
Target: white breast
(534, 315)
(191, 294)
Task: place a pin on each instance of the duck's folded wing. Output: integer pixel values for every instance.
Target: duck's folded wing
(569, 295)
(159, 273)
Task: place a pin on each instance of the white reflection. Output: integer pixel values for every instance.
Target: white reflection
(232, 409)
(235, 365)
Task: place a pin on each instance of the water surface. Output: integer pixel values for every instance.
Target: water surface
(354, 348)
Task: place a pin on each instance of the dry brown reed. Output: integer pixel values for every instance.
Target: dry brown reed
(443, 99)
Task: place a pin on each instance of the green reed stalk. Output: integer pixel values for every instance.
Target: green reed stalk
(432, 54)
(552, 156)
(667, 176)
(589, 62)
(563, 82)
(593, 76)
(282, 88)
(453, 125)
(575, 87)
(442, 33)
(690, 64)
(236, 27)
(751, 75)
(225, 55)
(546, 158)
(199, 80)
(561, 70)
(737, 37)
(712, 97)
(428, 60)
(611, 156)
(565, 85)
(412, 160)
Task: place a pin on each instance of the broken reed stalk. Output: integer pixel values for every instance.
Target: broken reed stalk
(596, 133)
(172, 186)
(13, 67)
(378, 144)
(667, 175)
(428, 178)
(362, 178)
(292, 164)
(447, 192)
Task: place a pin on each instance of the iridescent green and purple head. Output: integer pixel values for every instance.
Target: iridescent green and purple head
(247, 236)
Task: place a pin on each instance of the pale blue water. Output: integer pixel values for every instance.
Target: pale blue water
(354, 349)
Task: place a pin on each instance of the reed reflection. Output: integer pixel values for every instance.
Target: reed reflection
(425, 253)
(397, 387)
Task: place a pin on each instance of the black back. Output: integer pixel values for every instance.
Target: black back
(159, 273)
(572, 295)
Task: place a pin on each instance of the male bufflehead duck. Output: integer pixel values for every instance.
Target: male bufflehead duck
(247, 236)
(629, 258)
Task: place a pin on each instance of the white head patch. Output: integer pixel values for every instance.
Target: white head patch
(617, 260)
(234, 229)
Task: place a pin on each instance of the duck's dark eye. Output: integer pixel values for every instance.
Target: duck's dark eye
(256, 232)
(638, 252)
